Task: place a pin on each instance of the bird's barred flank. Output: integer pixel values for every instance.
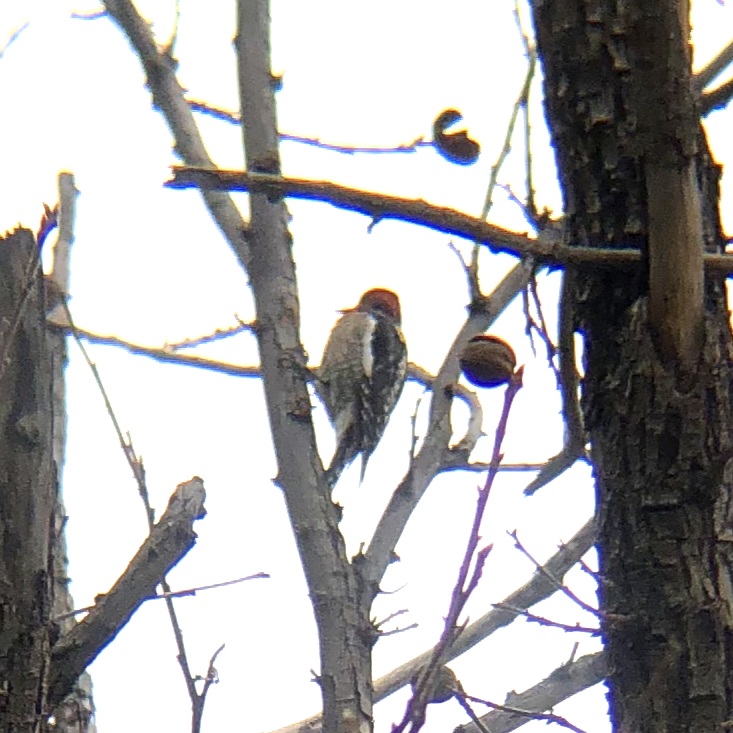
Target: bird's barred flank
(361, 376)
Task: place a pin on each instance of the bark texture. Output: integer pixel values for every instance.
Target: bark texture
(660, 428)
(27, 488)
(345, 632)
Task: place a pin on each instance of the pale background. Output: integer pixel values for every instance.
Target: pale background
(149, 266)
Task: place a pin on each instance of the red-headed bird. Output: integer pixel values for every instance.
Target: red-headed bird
(361, 376)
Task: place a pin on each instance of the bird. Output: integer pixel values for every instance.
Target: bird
(361, 376)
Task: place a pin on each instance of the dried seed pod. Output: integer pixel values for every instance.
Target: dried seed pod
(444, 684)
(456, 147)
(488, 361)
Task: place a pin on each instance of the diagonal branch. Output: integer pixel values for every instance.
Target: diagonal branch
(536, 589)
(716, 66)
(435, 454)
(168, 97)
(562, 683)
(171, 538)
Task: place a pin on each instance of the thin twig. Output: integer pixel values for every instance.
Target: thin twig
(470, 270)
(217, 335)
(549, 717)
(91, 15)
(560, 585)
(565, 681)
(170, 46)
(467, 578)
(13, 36)
(463, 702)
(212, 677)
(161, 354)
(535, 220)
(220, 113)
(173, 594)
(503, 154)
(538, 588)
(480, 467)
(542, 329)
(138, 471)
(542, 621)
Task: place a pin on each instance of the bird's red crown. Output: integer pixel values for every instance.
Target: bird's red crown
(380, 299)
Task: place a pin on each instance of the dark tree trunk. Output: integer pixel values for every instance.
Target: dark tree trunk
(27, 488)
(660, 428)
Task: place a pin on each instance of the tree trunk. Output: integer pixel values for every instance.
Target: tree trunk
(659, 413)
(27, 488)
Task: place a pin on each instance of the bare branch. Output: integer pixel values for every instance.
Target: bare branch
(503, 154)
(717, 98)
(168, 97)
(173, 594)
(226, 115)
(554, 467)
(467, 579)
(435, 454)
(715, 67)
(218, 334)
(478, 467)
(172, 537)
(527, 714)
(548, 249)
(564, 682)
(558, 583)
(474, 429)
(537, 589)
(212, 678)
(542, 621)
(340, 606)
(161, 354)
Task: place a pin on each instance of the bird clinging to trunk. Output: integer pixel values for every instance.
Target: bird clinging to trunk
(361, 376)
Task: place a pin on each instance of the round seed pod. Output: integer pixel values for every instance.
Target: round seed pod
(488, 361)
(445, 684)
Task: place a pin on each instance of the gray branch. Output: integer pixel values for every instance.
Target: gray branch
(172, 537)
(562, 683)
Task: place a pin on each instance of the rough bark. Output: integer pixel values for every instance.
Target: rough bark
(27, 488)
(75, 714)
(659, 421)
(345, 632)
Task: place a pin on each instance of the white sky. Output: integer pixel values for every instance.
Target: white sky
(149, 266)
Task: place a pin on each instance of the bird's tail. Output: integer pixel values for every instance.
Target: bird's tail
(341, 458)
(347, 449)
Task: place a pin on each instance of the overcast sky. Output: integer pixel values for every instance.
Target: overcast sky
(149, 266)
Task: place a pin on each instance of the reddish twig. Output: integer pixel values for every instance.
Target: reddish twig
(560, 586)
(174, 594)
(542, 621)
(467, 578)
(219, 113)
(549, 717)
